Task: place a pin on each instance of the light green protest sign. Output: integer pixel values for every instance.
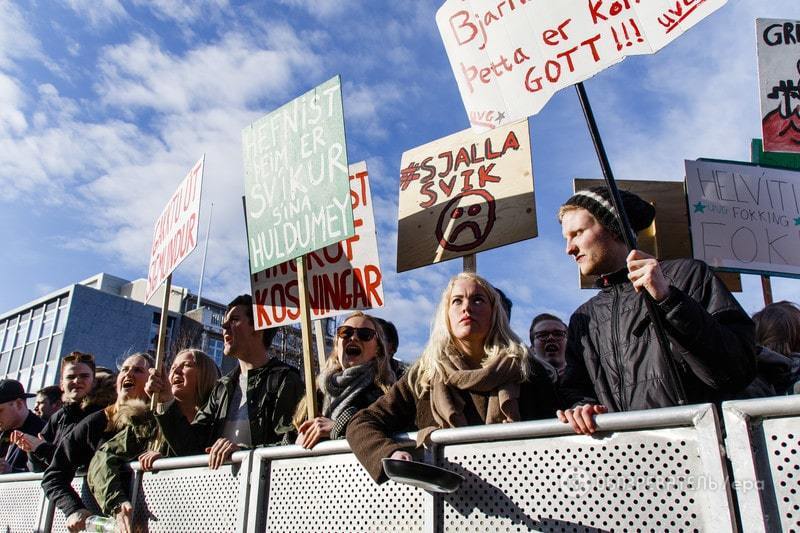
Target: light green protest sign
(296, 178)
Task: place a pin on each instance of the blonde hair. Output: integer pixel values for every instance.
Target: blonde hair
(208, 374)
(384, 375)
(500, 340)
(564, 209)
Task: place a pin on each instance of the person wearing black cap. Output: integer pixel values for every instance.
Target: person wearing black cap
(614, 359)
(15, 415)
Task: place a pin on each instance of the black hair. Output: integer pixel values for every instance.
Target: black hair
(541, 318)
(246, 301)
(51, 392)
(506, 302)
(389, 332)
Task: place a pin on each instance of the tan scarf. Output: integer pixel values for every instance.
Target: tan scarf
(500, 377)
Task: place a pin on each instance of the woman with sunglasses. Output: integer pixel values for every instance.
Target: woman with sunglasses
(82, 395)
(474, 370)
(357, 372)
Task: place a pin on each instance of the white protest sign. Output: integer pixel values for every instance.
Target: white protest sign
(509, 58)
(295, 162)
(745, 218)
(175, 233)
(465, 193)
(779, 83)
(344, 277)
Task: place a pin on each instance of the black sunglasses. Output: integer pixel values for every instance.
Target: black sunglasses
(78, 357)
(363, 334)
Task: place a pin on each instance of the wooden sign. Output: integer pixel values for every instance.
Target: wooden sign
(465, 193)
(175, 232)
(668, 236)
(778, 44)
(296, 179)
(509, 58)
(745, 218)
(343, 277)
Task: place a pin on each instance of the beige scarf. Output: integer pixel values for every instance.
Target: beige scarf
(500, 377)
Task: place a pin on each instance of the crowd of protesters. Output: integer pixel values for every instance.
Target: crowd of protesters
(611, 357)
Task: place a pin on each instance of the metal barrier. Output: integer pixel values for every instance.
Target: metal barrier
(22, 502)
(183, 494)
(662, 469)
(763, 443)
(328, 490)
(648, 470)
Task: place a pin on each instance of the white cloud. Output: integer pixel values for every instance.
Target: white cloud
(99, 13)
(16, 40)
(12, 119)
(323, 8)
(235, 72)
(183, 11)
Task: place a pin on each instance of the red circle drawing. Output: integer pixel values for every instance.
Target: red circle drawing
(455, 212)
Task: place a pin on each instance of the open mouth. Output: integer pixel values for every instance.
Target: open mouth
(177, 380)
(352, 350)
(128, 384)
(551, 347)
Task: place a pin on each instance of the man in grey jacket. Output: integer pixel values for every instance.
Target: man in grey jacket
(615, 361)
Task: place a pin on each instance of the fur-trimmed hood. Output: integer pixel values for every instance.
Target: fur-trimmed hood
(135, 414)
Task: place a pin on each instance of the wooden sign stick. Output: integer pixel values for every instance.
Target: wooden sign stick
(162, 334)
(471, 263)
(320, 336)
(305, 328)
(766, 289)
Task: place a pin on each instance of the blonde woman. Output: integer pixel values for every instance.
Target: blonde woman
(474, 370)
(357, 372)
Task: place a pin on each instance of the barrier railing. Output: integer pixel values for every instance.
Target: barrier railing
(661, 469)
(763, 443)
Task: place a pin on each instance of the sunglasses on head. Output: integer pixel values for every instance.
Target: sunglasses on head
(78, 357)
(362, 334)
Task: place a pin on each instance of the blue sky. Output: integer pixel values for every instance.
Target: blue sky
(106, 104)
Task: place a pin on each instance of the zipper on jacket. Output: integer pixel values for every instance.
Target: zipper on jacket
(615, 346)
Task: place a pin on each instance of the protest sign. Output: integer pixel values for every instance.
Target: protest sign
(296, 184)
(779, 83)
(509, 58)
(465, 193)
(745, 218)
(175, 233)
(343, 277)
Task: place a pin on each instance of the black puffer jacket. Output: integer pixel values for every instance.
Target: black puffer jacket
(614, 358)
(62, 421)
(272, 395)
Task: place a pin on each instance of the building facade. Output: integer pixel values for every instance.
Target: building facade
(106, 316)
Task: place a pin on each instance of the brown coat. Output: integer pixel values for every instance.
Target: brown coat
(399, 410)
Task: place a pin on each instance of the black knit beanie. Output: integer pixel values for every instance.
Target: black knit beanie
(597, 200)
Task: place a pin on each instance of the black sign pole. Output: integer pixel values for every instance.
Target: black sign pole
(629, 237)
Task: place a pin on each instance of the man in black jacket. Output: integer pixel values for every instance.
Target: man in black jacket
(251, 406)
(15, 416)
(614, 359)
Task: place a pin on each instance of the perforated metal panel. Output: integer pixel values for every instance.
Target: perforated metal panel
(335, 493)
(59, 520)
(20, 506)
(782, 439)
(629, 481)
(190, 499)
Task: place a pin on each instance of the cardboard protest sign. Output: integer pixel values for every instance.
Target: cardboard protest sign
(175, 233)
(779, 83)
(465, 193)
(745, 218)
(296, 184)
(509, 58)
(343, 277)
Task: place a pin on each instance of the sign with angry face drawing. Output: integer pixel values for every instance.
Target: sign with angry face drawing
(465, 193)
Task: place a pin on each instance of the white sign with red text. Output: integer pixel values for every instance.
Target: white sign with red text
(343, 277)
(510, 57)
(175, 233)
(778, 43)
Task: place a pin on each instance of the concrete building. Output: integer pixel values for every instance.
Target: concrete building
(106, 316)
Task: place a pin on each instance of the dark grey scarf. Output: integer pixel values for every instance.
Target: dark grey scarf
(342, 388)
